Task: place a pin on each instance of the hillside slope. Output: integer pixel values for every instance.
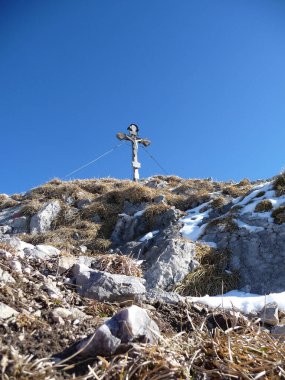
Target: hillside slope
(75, 253)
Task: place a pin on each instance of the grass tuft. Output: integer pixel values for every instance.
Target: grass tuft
(263, 206)
(210, 277)
(117, 264)
(279, 215)
(279, 184)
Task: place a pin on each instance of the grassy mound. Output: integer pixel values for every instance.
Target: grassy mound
(210, 277)
(263, 206)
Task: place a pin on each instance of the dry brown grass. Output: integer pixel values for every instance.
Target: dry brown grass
(117, 264)
(7, 247)
(279, 184)
(6, 202)
(190, 186)
(3, 198)
(31, 208)
(81, 233)
(279, 215)
(263, 206)
(101, 245)
(226, 223)
(236, 190)
(218, 202)
(244, 182)
(185, 203)
(242, 351)
(57, 189)
(14, 366)
(152, 213)
(210, 277)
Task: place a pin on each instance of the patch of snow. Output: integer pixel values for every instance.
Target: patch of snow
(193, 227)
(245, 302)
(247, 226)
(149, 235)
(139, 213)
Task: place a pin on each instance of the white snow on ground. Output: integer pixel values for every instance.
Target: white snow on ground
(193, 227)
(139, 213)
(269, 194)
(149, 235)
(245, 302)
(193, 223)
(247, 226)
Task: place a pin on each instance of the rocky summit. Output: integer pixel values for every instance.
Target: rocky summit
(167, 278)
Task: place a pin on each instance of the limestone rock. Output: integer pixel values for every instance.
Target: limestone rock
(269, 314)
(20, 225)
(104, 286)
(68, 314)
(8, 215)
(52, 290)
(41, 221)
(128, 325)
(16, 243)
(162, 297)
(65, 263)
(278, 331)
(42, 252)
(5, 276)
(5, 229)
(7, 311)
(173, 259)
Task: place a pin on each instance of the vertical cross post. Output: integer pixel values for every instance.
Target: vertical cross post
(135, 140)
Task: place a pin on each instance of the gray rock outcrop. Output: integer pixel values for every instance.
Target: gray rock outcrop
(42, 220)
(169, 261)
(257, 255)
(7, 311)
(127, 326)
(104, 286)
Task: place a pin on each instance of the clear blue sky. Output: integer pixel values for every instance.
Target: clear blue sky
(203, 79)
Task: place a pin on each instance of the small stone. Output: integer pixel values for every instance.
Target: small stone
(160, 199)
(65, 263)
(269, 314)
(96, 219)
(5, 254)
(131, 324)
(41, 221)
(5, 276)
(83, 249)
(5, 230)
(104, 286)
(278, 331)
(82, 203)
(16, 266)
(38, 313)
(52, 290)
(27, 270)
(7, 311)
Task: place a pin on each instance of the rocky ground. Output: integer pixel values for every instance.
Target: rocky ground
(98, 279)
